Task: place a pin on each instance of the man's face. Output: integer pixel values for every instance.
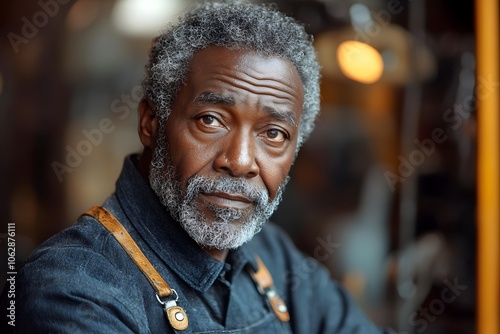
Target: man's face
(224, 154)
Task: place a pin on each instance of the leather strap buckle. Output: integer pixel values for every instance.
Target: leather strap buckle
(175, 314)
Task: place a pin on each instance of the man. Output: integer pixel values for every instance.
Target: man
(231, 93)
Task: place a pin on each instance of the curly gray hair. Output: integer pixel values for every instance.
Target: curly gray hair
(231, 24)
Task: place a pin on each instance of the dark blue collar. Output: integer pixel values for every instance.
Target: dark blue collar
(167, 238)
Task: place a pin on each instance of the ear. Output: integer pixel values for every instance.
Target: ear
(148, 124)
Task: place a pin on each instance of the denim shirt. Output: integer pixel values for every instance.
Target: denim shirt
(82, 281)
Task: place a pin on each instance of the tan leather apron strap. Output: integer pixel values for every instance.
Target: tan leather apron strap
(112, 224)
(175, 314)
(265, 285)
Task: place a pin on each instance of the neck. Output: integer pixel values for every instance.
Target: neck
(218, 254)
(144, 160)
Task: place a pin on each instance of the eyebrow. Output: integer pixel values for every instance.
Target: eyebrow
(214, 98)
(286, 116)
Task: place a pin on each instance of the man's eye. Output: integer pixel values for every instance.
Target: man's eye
(276, 135)
(210, 121)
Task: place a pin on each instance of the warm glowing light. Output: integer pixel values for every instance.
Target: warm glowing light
(145, 17)
(360, 61)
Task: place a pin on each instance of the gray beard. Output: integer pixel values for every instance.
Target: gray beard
(232, 227)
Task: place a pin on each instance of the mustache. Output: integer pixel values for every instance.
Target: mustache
(239, 186)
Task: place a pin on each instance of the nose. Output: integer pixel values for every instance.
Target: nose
(237, 156)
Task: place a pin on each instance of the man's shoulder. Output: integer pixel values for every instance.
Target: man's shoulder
(68, 252)
(86, 234)
(84, 246)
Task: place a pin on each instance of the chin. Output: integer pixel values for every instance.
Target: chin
(226, 234)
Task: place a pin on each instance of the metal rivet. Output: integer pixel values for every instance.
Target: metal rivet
(282, 308)
(179, 316)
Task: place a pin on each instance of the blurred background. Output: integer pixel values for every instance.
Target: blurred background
(383, 193)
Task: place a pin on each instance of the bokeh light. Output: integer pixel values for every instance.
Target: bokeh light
(360, 61)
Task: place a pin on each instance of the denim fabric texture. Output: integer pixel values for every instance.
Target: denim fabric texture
(82, 281)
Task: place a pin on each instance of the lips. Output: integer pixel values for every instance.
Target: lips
(225, 200)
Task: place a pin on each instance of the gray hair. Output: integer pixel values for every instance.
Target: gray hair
(261, 28)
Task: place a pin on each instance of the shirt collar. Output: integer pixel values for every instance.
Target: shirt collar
(166, 237)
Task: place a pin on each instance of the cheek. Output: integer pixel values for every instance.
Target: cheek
(274, 172)
(189, 157)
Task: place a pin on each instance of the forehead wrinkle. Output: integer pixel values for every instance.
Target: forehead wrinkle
(273, 83)
(259, 79)
(275, 91)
